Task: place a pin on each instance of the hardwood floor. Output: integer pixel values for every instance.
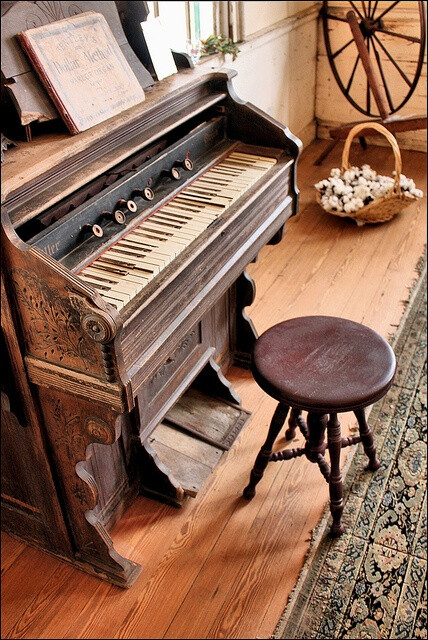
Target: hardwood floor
(221, 567)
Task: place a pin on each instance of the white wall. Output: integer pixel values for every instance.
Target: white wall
(260, 15)
(276, 66)
(283, 68)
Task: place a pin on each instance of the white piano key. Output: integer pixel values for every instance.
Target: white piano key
(135, 261)
(125, 250)
(177, 234)
(113, 302)
(125, 274)
(205, 206)
(265, 160)
(110, 281)
(212, 190)
(142, 250)
(233, 176)
(183, 214)
(116, 259)
(196, 209)
(160, 244)
(206, 199)
(176, 223)
(106, 289)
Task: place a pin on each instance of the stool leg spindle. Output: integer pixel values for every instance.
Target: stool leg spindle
(334, 438)
(263, 457)
(296, 420)
(316, 446)
(367, 440)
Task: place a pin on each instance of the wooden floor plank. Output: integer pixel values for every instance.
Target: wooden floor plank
(23, 581)
(222, 566)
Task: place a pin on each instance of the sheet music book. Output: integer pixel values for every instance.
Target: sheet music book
(83, 69)
(159, 51)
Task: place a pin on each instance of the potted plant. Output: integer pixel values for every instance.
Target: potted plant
(220, 44)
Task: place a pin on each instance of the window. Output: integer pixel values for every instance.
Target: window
(185, 21)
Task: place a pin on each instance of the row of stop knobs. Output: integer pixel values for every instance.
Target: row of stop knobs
(123, 206)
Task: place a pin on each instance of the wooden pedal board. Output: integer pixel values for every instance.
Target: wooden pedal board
(185, 448)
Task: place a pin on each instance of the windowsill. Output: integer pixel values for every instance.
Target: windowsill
(263, 37)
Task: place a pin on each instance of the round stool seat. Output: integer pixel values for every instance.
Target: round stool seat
(323, 364)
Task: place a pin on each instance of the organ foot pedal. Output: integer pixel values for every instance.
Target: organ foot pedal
(181, 453)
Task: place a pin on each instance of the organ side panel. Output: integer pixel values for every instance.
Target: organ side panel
(31, 508)
(75, 383)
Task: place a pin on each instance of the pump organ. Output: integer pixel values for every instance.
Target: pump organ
(124, 287)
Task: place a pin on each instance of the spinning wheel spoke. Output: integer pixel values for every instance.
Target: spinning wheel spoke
(400, 71)
(339, 51)
(376, 37)
(399, 35)
(348, 86)
(387, 10)
(374, 10)
(368, 89)
(357, 11)
(382, 75)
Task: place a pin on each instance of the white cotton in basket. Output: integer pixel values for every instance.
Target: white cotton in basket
(357, 187)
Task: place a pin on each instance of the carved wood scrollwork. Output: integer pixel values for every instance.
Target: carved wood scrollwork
(99, 325)
(101, 328)
(71, 427)
(53, 323)
(99, 431)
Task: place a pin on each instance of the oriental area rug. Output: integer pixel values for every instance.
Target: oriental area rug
(371, 582)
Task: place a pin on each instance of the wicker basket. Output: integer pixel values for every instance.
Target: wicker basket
(385, 207)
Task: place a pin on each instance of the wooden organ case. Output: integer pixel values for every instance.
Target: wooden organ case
(124, 251)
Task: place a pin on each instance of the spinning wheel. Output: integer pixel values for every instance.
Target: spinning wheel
(366, 61)
(380, 40)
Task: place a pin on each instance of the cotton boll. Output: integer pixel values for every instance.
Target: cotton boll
(361, 191)
(323, 184)
(349, 175)
(325, 203)
(339, 187)
(376, 192)
(406, 183)
(368, 172)
(385, 188)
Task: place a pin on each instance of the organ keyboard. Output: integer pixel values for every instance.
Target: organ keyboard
(128, 265)
(124, 284)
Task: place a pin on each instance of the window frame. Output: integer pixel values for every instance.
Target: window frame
(227, 19)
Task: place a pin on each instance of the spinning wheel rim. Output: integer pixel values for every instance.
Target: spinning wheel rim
(371, 25)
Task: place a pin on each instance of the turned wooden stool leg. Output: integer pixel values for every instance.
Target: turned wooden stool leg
(367, 440)
(334, 439)
(316, 445)
(296, 420)
(263, 457)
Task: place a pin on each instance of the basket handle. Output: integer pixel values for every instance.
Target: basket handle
(388, 135)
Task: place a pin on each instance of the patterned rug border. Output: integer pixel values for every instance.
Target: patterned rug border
(321, 542)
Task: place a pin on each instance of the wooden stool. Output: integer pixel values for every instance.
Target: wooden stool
(325, 366)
